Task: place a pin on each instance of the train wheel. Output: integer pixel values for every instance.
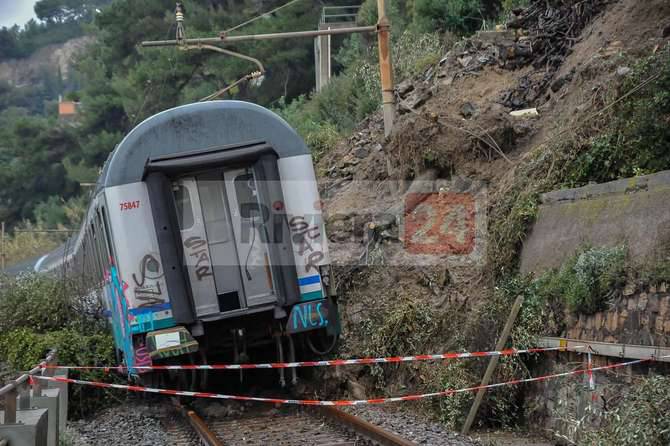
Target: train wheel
(203, 375)
(320, 342)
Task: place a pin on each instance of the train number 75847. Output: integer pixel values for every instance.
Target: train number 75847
(128, 205)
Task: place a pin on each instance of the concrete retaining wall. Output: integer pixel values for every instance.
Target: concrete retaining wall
(634, 211)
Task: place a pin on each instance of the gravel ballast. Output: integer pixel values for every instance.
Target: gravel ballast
(130, 423)
(408, 425)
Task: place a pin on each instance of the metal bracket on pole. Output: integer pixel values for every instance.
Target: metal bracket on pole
(382, 29)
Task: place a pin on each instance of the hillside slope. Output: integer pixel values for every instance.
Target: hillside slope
(455, 136)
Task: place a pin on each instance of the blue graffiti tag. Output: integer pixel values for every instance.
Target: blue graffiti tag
(308, 316)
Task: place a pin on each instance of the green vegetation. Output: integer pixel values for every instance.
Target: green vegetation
(588, 280)
(406, 326)
(637, 137)
(38, 313)
(641, 418)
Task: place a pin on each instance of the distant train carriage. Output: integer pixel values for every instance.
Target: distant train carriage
(205, 235)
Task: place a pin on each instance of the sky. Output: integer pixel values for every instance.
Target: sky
(16, 11)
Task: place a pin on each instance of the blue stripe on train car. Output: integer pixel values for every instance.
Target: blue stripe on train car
(309, 280)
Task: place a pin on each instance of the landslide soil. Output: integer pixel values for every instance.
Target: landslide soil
(460, 133)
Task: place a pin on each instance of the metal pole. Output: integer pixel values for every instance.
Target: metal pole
(223, 38)
(2, 246)
(492, 364)
(385, 67)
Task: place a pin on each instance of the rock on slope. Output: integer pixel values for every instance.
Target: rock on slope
(51, 58)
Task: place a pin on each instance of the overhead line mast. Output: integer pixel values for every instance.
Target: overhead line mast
(382, 29)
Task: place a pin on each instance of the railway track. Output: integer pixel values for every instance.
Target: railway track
(283, 426)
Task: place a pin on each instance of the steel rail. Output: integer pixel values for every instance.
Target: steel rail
(206, 435)
(348, 421)
(365, 428)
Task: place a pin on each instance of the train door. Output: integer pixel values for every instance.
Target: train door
(205, 234)
(249, 216)
(224, 239)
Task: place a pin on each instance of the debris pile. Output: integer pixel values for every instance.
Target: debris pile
(540, 36)
(552, 27)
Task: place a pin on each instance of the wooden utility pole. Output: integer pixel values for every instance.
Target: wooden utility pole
(492, 364)
(382, 29)
(2, 247)
(385, 67)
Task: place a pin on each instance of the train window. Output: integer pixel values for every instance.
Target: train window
(214, 210)
(96, 253)
(105, 234)
(245, 191)
(182, 198)
(108, 235)
(101, 243)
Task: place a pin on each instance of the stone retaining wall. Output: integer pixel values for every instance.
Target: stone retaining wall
(639, 317)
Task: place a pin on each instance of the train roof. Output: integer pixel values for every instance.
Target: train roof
(194, 127)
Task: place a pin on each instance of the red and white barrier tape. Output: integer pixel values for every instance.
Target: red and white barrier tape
(330, 362)
(443, 393)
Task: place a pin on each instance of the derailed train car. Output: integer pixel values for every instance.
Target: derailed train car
(205, 237)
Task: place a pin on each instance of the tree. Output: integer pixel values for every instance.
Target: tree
(59, 11)
(8, 44)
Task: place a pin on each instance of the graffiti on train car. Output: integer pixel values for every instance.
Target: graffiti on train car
(302, 234)
(142, 357)
(308, 316)
(148, 287)
(197, 248)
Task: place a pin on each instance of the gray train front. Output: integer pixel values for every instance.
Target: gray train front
(205, 235)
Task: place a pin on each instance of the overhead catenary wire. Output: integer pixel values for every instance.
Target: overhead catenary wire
(265, 14)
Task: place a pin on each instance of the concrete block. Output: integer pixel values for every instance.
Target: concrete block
(63, 397)
(49, 400)
(30, 428)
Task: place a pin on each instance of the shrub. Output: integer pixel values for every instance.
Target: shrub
(459, 16)
(23, 348)
(641, 418)
(454, 408)
(588, 280)
(406, 326)
(32, 301)
(634, 142)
